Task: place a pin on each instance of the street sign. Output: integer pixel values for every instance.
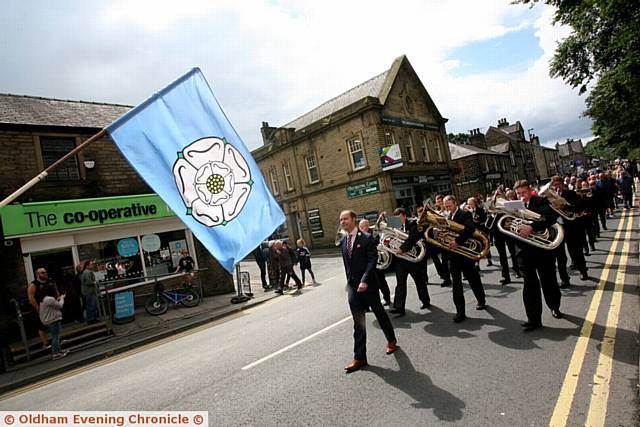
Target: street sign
(124, 307)
(363, 189)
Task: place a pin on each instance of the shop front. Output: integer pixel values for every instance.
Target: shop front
(411, 191)
(131, 238)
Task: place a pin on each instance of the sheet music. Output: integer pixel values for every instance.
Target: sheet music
(514, 205)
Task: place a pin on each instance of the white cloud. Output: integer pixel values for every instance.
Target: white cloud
(276, 60)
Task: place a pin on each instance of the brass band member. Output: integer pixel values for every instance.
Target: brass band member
(503, 243)
(479, 217)
(459, 264)
(590, 214)
(536, 264)
(418, 270)
(363, 225)
(439, 258)
(574, 230)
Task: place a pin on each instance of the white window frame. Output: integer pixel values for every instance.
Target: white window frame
(486, 164)
(311, 166)
(354, 145)
(439, 153)
(411, 155)
(389, 138)
(426, 156)
(273, 176)
(288, 179)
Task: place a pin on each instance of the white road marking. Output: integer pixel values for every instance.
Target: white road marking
(295, 344)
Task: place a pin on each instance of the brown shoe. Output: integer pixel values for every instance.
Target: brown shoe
(355, 365)
(391, 346)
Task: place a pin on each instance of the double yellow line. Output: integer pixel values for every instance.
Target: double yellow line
(599, 398)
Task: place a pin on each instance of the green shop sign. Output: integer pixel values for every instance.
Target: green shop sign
(40, 217)
(363, 189)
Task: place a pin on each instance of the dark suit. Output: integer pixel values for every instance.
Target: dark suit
(361, 267)
(417, 270)
(575, 231)
(537, 266)
(459, 264)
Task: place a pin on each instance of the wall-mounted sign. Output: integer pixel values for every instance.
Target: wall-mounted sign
(150, 242)
(390, 157)
(315, 224)
(397, 121)
(363, 189)
(127, 247)
(471, 181)
(493, 176)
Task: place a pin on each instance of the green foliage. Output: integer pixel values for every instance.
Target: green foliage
(602, 52)
(599, 148)
(458, 138)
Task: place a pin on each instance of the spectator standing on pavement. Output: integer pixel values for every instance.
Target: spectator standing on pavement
(51, 317)
(90, 291)
(35, 293)
(273, 265)
(262, 265)
(304, 257)
(186, 265)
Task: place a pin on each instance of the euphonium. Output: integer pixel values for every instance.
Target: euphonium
(512, 221)
(441, 232)
(556, 202)
(391, 239)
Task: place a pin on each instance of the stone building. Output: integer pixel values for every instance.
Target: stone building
(546, 159)
(329, 159)
(93, 206)
(477, 170)
(572, 156)
(510, 140)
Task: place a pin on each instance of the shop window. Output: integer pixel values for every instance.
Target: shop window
(426, 157)
(115, 259)
(389, 139)
(409, 146)
(288, 179)
(356, 154)
(53, 149)
(273, 175)
(312, 169)
(161, 252)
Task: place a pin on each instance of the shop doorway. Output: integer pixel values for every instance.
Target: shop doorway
(58, 262)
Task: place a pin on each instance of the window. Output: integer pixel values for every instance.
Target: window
(273, 175)
(513, 158)
(408, 105)
(388, 138)
(436, 145)
(486, 165)
(495, 164)
(425, 149)
(440, 145)
(410, 154)
(53, 148)
(312, 169)
(288, 179)
(356, 153)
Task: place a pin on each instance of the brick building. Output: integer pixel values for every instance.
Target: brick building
(329, 158)
(93, 206)
(477, 170)
(510, 140)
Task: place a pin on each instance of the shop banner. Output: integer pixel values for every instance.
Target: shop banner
(182, 144)
(390, 157)
(41, 217)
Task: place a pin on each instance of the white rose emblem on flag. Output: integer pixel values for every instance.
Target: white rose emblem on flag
(213, 179)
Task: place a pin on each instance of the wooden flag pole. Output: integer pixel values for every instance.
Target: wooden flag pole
(42, 175)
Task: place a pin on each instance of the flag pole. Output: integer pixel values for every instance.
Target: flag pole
(42, 175)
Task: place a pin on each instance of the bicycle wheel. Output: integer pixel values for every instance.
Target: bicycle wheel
(191, 298)
(156, 305)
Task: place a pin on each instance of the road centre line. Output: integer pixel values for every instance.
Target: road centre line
(602, 378)
(570, 383)
(295, 344)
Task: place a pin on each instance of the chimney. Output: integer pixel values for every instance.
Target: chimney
(267, 132)
(476, 138)
(503, 122)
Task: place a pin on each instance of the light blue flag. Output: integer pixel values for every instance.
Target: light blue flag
(183, 146)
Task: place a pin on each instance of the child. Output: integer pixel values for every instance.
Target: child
(304, 257)
(51, 317)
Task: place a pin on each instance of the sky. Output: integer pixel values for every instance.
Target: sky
(480, 60)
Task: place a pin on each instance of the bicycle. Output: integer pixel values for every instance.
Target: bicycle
(158, 303)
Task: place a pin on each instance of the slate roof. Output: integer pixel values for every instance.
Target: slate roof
(37, 111)
(459, 151)
(500, 148)
(511, 129)
(371, 87)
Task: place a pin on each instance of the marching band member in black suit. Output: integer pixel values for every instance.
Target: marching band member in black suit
(359, 255)
(574, 230)
(459, 264)
(536, 264)
(363, 225)
(479, 217)
(438, 256)
(417, 270)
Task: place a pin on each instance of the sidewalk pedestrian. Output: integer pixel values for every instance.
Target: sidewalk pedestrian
(304, 258)
(286, 266)
(262, 265)
(90, 291)
(35, 294)
(51, 317)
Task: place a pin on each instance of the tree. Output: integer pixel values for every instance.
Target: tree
(602, 52)
(458, 138)
(600, 149)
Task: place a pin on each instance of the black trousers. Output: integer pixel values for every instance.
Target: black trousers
(418, 271)
(502, 243)
(536, 266)
(574, 237)
(560, 254)
(603, 217)
(458, 265)
(358, 303)
(263, 273)
(303, 269)
(384, 286)
(287, 272)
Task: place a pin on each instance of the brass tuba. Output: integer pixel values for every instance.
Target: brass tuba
(391, 239)
(441, 232)
(556, 202)
(512, 221)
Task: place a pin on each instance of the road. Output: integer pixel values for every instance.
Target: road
(281, 363)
